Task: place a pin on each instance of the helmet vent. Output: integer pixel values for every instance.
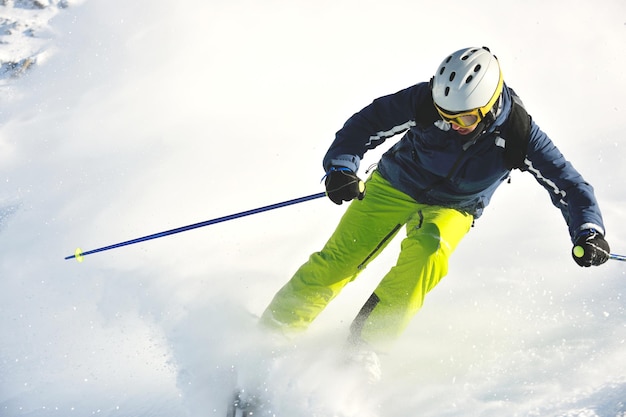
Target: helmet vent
(471, 77)
(442, 70)
(469, 54)
(452, 75)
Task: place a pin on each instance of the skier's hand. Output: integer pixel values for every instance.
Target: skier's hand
(590, 248)
(343, 185)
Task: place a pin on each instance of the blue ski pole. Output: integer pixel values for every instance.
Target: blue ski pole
(79, 254)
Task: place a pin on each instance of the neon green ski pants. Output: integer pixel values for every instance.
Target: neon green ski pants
(368, 225)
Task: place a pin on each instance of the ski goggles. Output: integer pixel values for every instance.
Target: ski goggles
(464, 119)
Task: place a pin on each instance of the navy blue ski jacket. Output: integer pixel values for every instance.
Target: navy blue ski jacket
(435, 165)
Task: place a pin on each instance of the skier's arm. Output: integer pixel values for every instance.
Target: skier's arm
(385, 117)
(566, 186)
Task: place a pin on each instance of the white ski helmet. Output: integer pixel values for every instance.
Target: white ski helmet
(468, 79)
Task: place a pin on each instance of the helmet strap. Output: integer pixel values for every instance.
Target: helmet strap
(492, 114)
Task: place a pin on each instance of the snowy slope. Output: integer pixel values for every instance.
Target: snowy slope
(121, 119)
(26, 36)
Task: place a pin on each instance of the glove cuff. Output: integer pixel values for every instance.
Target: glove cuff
(587, 229)
(335, 169)
(587, 234)
(351, 162)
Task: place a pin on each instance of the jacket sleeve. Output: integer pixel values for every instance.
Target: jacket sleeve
(567, 188)
(385, 117)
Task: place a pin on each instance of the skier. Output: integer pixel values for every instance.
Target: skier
(463, 133)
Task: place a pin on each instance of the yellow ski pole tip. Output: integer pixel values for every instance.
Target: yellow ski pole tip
(579, 251)
(78, 254)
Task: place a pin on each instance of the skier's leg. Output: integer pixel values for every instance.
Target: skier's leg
(432, 235)
(365, 229)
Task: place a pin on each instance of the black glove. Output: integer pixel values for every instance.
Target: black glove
(590, 248)
(343, 185)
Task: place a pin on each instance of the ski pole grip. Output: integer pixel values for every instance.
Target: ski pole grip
(578, 251)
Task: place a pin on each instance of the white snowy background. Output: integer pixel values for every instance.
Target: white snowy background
(121, 118)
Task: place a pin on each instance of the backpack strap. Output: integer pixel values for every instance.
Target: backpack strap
(516, 134)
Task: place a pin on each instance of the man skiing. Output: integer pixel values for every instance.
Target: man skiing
(463, 133)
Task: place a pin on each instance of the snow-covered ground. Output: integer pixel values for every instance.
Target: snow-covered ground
(125, 118)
